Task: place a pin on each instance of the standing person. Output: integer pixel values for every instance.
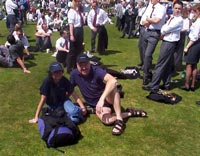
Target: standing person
(99, 90)
(62, 47)
(11, 17)
(55, 92)
(97, 18)
(130, 17)
(178, 55)
(75, 21)
(171, 34)
(192, 51)
(153, 19)
(119, 14)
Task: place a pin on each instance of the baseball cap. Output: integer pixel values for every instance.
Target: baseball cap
(55, 66)
(82, 58)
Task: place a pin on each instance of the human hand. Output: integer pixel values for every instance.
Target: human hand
(34, 120)
(99, 106)
(185, 50)
(72, 38)
(84, 111)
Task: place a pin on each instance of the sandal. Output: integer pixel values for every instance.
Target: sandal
(120, 126)
(136, 112)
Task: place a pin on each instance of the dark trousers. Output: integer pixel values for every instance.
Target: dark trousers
(62, 57)
(141, 44)
(163, 68)
(151, 39)
(43, 43)
(75, 49)
(102, 40)
(12, 19)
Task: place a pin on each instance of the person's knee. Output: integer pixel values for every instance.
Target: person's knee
(106, 119)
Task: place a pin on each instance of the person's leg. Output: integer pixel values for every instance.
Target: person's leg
(194, 75)
(188, 75)
(93, 38)
(74, 112)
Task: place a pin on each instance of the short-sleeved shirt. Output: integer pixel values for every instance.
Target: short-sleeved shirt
(56, 94)
(91, 86)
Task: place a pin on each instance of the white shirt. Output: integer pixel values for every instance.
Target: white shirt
(10, 6)
(61, 43)
(186, 24)
(158, 12)
(74, 18)
(102, 17)
(172, 29)
(195, 30)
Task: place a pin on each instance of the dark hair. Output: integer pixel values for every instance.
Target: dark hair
(178, 2)
(11, 39)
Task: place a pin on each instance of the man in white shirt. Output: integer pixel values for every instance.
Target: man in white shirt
(170, 32)
(11, 17)
(152, 19)
(62, 47)
(97, 18)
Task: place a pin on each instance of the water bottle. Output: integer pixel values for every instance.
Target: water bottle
(183, 75)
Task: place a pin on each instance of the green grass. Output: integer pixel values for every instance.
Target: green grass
(170, 130)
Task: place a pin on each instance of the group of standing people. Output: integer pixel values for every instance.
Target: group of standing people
(155, 24)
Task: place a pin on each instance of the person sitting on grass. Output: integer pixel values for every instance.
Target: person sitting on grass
(99, 90)
(16, 52)
(43, 38)
(55, 91)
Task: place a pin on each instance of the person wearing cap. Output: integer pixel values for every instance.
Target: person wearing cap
(99, 90)
(55, 92)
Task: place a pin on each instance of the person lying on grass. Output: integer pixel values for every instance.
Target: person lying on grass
(16, 52)
(99, 90)
(55, 91)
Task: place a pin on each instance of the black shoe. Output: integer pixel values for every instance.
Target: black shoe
(185, 88)
(165, 88)
(122, 36)
(192, 89)
(145, 81)
(198, 102)
(147, 88)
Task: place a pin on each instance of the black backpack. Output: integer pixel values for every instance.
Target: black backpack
(57, 129)
(164, 97)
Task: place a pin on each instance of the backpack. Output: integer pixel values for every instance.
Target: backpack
(164, 97)
(131, 72)
(57, 129)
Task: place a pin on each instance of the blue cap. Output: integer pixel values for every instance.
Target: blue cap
(55, 66)
(82, 58)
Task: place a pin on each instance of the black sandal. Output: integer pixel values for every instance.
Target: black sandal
(120, 126)
(136, 112)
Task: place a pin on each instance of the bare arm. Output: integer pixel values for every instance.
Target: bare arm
(110, 86)
(39, 107)
(71, 31)
(21, 63)
(80, 103)
(190, 43)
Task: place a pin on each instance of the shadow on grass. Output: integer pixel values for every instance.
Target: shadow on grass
(110, 52)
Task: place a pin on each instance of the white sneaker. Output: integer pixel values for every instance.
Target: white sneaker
(54, 54)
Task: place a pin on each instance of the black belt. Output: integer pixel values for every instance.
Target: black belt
(154, 30)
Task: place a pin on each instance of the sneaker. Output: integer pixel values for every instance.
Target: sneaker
(54, 54)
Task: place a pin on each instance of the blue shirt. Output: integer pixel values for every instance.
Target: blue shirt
(56, 94)
(91, 86)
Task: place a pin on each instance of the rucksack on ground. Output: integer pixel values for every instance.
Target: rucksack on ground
(164, 97)
(57, 129)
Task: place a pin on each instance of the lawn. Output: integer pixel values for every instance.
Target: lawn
(170, 130)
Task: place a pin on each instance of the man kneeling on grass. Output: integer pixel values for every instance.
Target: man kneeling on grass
(99, 90)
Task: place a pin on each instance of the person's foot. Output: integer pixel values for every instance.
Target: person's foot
(165, 87)
(147, 88)
(185, 88)
(192, 89)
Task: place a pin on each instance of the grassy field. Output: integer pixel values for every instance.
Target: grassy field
(170, 130)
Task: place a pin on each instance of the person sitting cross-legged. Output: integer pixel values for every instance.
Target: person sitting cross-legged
(100, 92)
